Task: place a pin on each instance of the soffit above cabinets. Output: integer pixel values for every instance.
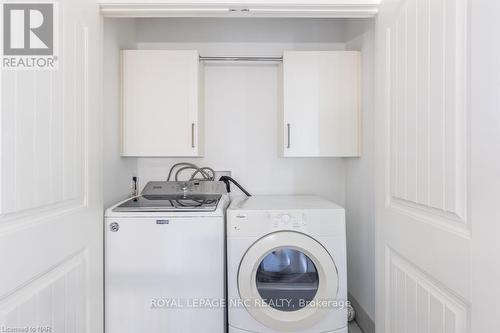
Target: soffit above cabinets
(257, 8)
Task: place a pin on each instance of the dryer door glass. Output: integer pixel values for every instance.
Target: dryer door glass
(287, 279)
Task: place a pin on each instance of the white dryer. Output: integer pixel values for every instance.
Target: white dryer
(286, 265)
(164, 260)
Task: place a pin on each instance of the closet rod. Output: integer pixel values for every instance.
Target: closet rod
(241, 58)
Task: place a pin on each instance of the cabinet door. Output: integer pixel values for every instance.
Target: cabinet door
(321, 101)
(161, 110)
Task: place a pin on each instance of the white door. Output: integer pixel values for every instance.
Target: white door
(438, 170)
(51, 206)
(423, 211)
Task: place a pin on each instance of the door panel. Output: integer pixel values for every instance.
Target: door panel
(422, 224)
(428, 129)
(55, 300)
(418, 303)
(51, 205)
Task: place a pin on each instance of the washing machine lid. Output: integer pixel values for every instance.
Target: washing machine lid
(190, 196)
(169, 203)
(288, 281)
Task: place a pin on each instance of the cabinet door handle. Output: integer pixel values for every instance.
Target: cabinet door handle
(192, 135)
(288, 135)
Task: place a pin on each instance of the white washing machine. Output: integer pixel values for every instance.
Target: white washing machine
(286, 265)
(164, 260)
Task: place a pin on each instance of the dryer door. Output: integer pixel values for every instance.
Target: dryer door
(288, 281)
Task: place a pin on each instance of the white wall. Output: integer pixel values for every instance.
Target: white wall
(360, 183)
(118, 171)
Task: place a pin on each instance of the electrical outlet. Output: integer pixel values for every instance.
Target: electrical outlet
(134, 186)
(221, 173)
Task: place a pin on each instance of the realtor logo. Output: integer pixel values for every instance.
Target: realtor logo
(29, 36)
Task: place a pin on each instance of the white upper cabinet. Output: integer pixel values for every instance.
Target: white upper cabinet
(162, 109)
(321, 103)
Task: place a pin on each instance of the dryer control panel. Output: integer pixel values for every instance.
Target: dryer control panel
(254, 223)
(287, 220)
(258, 223)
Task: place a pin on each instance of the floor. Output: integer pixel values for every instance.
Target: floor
(354, 328)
